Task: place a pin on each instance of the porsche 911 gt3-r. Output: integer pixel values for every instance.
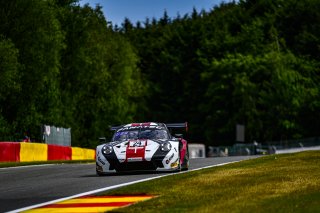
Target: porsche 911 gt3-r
(143, 146)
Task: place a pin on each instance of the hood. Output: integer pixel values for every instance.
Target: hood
(136, 142)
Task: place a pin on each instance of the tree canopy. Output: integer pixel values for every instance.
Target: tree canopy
(250, 62)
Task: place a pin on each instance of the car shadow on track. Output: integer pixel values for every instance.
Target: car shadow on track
(130, 173)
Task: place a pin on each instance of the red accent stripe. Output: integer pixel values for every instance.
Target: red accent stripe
(72, 205)
(141, 124)
(183, 150)
(115, 196)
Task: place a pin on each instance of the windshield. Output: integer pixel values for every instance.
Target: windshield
(140, 134)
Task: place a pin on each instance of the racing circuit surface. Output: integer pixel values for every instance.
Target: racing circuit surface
(29, 185)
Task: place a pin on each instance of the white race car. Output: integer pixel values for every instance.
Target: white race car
(143, 147)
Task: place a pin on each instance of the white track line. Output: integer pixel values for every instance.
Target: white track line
(110, 187)
(26, 166)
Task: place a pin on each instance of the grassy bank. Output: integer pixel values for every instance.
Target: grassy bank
(275, 183)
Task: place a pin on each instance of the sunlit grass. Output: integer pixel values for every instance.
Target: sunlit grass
(276, 183)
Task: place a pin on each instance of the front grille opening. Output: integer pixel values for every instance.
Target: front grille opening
(136, 166)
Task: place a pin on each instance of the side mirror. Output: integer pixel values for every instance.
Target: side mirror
(178, 135)
(102, 140)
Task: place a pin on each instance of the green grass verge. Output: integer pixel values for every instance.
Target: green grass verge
(15, 164)
(275, 183)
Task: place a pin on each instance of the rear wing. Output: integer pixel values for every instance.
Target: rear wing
(178, 125)
(169, 125)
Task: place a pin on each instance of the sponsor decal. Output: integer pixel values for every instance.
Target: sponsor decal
(101, 161)
(138, 127)
(170, 158)
(175, 164)
(138, 143)
(141, 124)
(135, 159)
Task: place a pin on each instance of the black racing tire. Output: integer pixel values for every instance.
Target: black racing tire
(180, 165)
(100, 173)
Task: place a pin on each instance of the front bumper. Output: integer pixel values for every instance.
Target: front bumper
(159, 161)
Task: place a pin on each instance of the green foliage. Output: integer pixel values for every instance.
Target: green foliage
(34, 30)
(234, 64)
(250, 62)
(9, 83)
(261, 92)
(100, 79)
(63, 66)
(9, 66)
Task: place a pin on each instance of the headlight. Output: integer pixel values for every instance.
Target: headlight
(107, 149)
(166, 146)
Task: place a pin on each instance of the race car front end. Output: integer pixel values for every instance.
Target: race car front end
(138, 155)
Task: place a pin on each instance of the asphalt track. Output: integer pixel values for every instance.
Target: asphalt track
(29, 185)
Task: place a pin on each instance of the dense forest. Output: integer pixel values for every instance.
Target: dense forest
(249, 62)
